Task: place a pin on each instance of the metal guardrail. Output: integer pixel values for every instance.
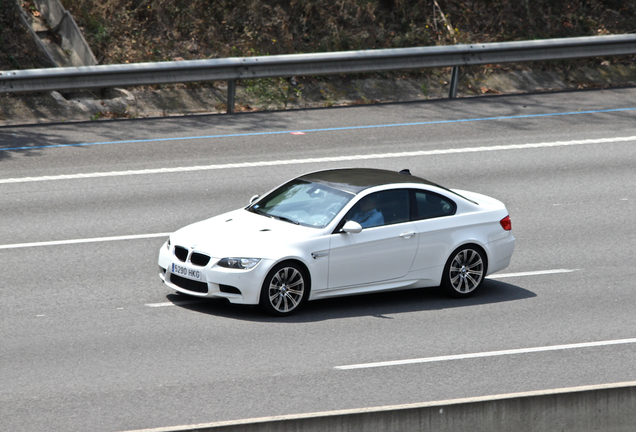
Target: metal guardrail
(231, 69)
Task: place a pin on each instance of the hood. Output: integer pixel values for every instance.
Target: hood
(241, 234)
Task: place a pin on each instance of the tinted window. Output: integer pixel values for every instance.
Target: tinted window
(431, 205)
(381, 208)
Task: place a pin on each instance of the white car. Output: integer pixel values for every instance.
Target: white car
(341, 232)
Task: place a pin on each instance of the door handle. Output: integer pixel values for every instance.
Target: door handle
(407, 234)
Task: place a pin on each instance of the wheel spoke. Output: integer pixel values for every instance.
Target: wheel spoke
(475, 272)
(471, 258)
(284, 275)
(461, 283)
(295, 284)
(470, 278)
(470, 266)
(465, 258)
(291, 299)
(284, 307)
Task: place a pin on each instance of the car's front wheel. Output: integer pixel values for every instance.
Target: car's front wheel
(464, 271)
(284, 290)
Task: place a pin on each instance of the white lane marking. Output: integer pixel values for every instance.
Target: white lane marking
(487, 354)
(318, 160)
(164, 304)
(87, 240)
(177, 303)
(532, 273)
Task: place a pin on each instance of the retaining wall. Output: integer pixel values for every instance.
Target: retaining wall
(602, 408)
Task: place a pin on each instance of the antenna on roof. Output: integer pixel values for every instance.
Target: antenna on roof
(405, 171)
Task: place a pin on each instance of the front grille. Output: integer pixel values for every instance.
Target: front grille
(199, 259)
(188, 284)
(181, 253)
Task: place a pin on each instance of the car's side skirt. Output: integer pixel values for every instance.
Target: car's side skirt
(401, 284)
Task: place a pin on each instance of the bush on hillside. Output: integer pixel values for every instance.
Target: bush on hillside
(122, 31)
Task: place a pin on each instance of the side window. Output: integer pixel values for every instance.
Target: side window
(381, 208)
(431, 205)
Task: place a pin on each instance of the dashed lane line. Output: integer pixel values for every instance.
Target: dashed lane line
(86, 240)
(487, 354)
(532, 273)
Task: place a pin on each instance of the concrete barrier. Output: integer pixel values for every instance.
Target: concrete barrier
(599, 408)
(61, 22)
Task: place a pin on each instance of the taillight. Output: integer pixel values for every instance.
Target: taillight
(506, 223)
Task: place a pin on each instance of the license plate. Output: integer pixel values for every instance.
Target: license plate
(186, 272)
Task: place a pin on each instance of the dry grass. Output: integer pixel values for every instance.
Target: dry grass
(155, 30)
(17, 49)
(121, 31)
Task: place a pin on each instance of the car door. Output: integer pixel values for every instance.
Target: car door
(435, 223)
(377, 253)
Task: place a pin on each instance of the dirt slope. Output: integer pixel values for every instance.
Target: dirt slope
(121, 31)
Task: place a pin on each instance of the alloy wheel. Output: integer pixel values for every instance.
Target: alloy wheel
(466, 271)
(286, 290)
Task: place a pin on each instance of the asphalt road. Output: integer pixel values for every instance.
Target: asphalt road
(91, 339)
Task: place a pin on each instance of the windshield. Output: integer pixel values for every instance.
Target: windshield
(303, 203)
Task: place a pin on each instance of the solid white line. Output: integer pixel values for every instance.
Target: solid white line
(532, 273)
(88, 240)
(319, 160)
(487, 354)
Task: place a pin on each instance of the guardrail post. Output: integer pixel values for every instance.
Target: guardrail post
(231, 93)
(452, 91)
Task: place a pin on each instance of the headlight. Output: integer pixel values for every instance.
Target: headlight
(238, 263)
(168, 243)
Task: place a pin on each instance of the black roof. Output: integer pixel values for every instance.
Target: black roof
(354, 180)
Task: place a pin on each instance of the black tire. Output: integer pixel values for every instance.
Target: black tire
(285, 289)
(464, 271)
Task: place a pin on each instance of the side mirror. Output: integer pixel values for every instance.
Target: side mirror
(352, 227)
(254, 198)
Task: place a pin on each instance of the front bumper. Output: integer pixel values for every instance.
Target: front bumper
(237, 286)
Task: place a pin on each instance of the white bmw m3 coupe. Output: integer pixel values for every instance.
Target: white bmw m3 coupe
(341, 232)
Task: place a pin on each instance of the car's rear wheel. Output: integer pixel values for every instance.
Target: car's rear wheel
(464, 271)
(284, 290)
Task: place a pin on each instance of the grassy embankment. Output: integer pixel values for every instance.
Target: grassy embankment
(121, 31)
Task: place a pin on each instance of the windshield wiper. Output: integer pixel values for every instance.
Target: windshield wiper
(273, 216)
(283, 218)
